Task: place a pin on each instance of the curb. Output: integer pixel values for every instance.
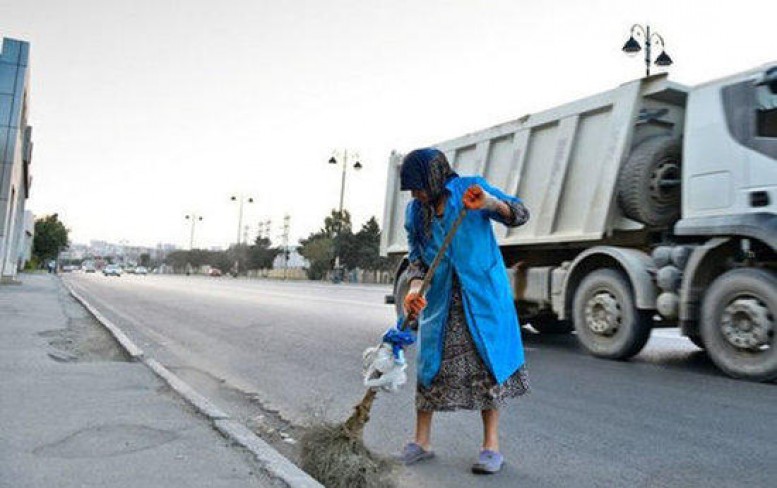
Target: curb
(271, 461)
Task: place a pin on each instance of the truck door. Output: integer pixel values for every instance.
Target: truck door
(751, 116)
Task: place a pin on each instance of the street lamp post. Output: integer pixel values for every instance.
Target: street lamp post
(632, 46)
(242, 199)
(344, 156)
(193, 218)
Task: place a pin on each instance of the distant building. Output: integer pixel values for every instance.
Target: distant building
(296, 261)
(15, 153)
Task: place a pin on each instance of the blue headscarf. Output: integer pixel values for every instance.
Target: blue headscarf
(425, 169)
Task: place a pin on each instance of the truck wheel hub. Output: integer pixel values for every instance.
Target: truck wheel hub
(663, 181)
(747, 324)
(603, 314)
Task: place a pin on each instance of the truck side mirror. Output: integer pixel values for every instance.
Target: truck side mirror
(769, 79)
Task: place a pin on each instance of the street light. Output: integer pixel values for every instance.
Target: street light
(194, 219)
(242, 199)
(357, 166)
(633, 46)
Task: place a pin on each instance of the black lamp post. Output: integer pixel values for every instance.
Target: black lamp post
(633, 46)
(194, 219)
(357, 166)
(242, 199)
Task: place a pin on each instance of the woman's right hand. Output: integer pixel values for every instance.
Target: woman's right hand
(414, 303)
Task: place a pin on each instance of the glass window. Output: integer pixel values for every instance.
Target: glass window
(767, 123)
(751, 115)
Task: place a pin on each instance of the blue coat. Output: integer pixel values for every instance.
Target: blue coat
(488, 300)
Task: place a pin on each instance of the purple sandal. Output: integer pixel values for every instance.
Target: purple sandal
(413, 453)
(489, 462)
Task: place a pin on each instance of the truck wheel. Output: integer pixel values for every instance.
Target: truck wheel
(607, 321)
(401, 287)
(649, 182)
(549, 324)
(738, 323)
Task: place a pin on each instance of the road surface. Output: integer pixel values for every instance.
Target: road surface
(667, 418)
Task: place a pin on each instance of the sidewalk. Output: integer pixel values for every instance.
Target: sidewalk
(75, 412)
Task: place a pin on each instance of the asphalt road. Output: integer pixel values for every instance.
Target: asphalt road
(667, 418)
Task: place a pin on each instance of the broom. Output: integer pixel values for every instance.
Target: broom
(335, 454)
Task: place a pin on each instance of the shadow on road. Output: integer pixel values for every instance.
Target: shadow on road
(667, 353)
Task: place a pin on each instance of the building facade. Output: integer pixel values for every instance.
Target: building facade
(25, 250)
(15, 154)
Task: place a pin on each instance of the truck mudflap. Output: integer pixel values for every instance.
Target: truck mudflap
(638, 266)
(694, 282)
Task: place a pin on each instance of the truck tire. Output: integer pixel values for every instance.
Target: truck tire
(607, 321)
(401, 287)
(550, 324)
(649, 182)
(738, 323)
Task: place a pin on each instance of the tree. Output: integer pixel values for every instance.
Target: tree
(335, 223)
(261, 255)
(145, 260)
(51, 236)
(368, 247)
(177, 259)
(319, 250)
(360, 250)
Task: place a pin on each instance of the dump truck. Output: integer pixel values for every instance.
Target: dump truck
(652, 205)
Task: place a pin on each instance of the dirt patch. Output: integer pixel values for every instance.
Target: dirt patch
(84, 339)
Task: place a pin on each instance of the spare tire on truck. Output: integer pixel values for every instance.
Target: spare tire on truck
(649, 181)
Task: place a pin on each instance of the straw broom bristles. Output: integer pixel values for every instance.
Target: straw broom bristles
(336, 455)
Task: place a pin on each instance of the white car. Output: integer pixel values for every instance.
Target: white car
(141, 270)
(112, 270)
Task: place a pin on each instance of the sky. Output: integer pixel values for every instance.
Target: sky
(145, 111)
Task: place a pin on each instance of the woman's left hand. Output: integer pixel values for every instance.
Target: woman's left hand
(474, 198)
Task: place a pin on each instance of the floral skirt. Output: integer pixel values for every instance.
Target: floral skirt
(463, 381)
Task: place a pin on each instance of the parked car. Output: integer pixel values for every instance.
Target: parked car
(89, 268)
(141, 270)
(214, 272)
(112, 270)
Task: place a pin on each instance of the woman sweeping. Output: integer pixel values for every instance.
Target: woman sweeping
(470, 354)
